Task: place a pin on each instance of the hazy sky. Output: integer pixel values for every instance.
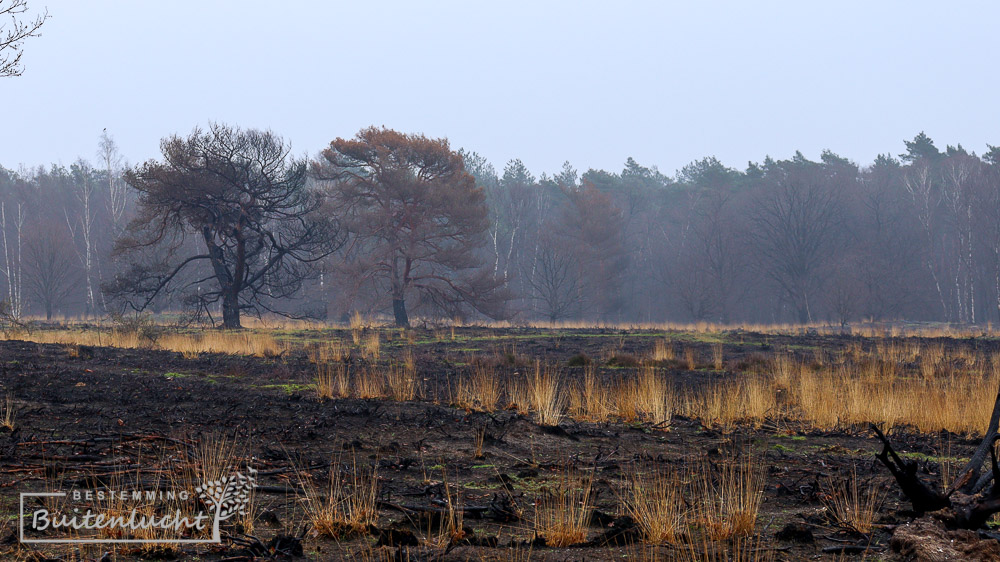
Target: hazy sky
(588, 82)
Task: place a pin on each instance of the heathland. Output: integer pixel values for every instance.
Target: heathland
(497, 442)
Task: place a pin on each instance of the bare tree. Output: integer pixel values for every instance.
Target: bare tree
(49, 273)
(919, 183)
(118, 192)
(556, 282)
(960, 172)
(690, 280)
(714, 258)
(795, 221)
(14, 30)
(508, 204)
(248, 202)
(885, 243)
(844, 294)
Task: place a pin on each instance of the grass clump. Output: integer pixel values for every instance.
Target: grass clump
(730, 495)
(480, 391)
(656, 503)
(8, 412)
(544, 395)
(854, 506)
(563, 514)
(346, 506)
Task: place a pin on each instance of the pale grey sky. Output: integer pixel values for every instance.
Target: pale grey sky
(588, 82)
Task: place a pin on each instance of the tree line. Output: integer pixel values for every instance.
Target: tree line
(227, 222)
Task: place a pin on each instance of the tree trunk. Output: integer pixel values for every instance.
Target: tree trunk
(803, 310)
(231, 311)
(399, 311)
(227, 282)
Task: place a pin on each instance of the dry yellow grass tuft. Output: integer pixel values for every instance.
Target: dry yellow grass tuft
(480, 391)
(333, 351)
(409, 361)
(625, 400)
(656, 503)
(122, 506)
(854, 506)
(217, 456)
(246, 342)
(232, 343)
(478, 442)
(372, 346)
(544, 395)
(690, 358)
(591, 401)
(325, 381)
(400, 382)
(646, 398)
(738, 549)
(655, 398)
(890, 384)
(717, 357)
(368, 383)
(346, 505)
(663, 350)
(8, 412)
(562, 516)
(784, 369)
(452, 526)
(751, 400)
(357, 325)
(730, 497)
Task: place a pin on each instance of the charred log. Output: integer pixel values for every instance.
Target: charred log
(979, 512)
(963, 506)
(921, 496)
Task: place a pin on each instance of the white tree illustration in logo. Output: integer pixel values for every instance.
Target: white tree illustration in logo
(228, 496)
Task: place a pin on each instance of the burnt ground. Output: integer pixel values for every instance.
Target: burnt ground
(85, 414)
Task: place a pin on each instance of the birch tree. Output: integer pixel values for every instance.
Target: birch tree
(118, 192)
(81, 222)
(11, 233)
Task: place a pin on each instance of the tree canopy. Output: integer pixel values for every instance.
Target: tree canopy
(415, 219)
(257, 225)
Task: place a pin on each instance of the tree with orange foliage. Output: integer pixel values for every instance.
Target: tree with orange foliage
(415, 220)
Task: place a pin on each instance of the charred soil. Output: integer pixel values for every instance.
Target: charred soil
(452, 483)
